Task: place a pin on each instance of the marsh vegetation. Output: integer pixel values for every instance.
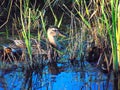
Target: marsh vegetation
(85, 57)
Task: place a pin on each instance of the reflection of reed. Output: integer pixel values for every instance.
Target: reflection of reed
(27, 84)
(3, 82)
(29, 74)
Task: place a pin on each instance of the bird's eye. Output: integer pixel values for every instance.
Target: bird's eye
(55, 30)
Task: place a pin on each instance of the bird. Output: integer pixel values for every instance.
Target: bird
(18, 46)
(19, 43)
(52, 34)
(41, 47)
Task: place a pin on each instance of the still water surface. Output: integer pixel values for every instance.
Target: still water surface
(71, 78)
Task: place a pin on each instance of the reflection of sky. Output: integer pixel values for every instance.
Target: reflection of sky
(66, 81)
(69, 80)
(78, 81)
(14, 80)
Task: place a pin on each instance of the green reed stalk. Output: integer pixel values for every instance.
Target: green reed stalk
(27, 39)
(25, 27)
(114, 7)
(60, 21)
(43, 22)
(80, 14)
(112, 31)
(114, 38)
(118, 36)
(56, 22)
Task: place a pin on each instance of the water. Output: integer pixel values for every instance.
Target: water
(52, 77)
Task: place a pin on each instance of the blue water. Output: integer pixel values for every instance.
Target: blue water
(87, 78)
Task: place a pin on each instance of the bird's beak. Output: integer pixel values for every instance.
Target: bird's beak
(62, 35)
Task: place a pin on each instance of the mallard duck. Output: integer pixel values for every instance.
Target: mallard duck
(52, 34)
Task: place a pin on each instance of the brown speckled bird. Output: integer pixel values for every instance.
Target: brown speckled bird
(40, 47)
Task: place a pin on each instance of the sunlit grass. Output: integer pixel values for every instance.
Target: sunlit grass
(112, 30)
(113, 34)
(118, 36)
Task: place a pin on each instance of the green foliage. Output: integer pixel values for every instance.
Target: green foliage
(26, 16)
(114, 7)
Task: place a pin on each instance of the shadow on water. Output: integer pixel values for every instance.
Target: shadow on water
(55, 76)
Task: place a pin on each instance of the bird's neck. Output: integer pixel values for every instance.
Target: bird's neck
(53, 41)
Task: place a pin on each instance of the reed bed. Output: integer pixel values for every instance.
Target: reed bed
(88, 24)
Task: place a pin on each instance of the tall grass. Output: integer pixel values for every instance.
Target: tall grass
(114, 39)
(88, 21)
(94, 19)
(113, 32)
(43, 22)
(29, 18)
(118, 36)
(26, 23)
(107, 25)
(56, 22)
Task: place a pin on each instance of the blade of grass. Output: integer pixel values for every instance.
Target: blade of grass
(60, 22)
(118, 36)
(111, 33)
(114, 31)
(43, 22)
(83, 19)
(26, 30)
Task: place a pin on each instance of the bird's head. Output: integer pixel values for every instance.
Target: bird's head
(52, 33)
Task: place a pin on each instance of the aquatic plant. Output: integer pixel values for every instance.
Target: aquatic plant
(114, 35)
(118, 36)
(25, 16)
(91, 25)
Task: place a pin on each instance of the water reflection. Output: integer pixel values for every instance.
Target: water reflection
(56, 77)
